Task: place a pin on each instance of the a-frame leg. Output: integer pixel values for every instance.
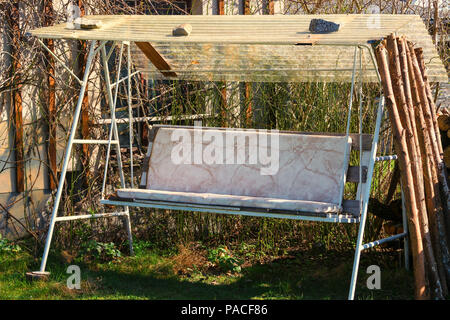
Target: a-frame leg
(358, 251)
(112, 99)
(365, 202)
(41, 274)
(62, 177)
(130, 133)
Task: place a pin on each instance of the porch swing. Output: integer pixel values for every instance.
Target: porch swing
(313, 169)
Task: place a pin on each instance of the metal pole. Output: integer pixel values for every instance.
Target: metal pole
(125, 78)
(130, 133)
(333, 218)
(386, 158)
(380, 241)
(360, 120)
(112, 106)
(113, 130)
(130, 114)
(113, 117)
(366, 196)
(60, 61)
(67, 156)
(347, 131)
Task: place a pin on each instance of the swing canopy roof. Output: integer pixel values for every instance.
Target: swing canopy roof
(260, 48)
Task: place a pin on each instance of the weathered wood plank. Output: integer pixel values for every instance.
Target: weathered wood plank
(158, 61)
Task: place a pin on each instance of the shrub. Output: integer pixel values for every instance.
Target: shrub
(223, 258)
(100, 251)
(7, 246)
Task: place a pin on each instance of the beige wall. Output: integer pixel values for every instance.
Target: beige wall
(34, 127)
(34, 133)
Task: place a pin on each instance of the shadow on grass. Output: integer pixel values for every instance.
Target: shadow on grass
(303, 274)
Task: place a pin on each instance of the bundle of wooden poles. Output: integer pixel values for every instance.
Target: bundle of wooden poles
(444, 127)
(417, 142)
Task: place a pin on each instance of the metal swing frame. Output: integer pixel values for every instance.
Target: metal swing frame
(364, 188)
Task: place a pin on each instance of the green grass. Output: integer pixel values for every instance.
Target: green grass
(299, 273)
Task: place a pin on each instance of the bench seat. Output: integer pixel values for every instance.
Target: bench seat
(309, 177)
(229, 200)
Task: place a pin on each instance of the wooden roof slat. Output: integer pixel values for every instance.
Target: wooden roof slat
(155, 57)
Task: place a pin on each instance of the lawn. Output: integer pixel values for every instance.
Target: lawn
(189, 272)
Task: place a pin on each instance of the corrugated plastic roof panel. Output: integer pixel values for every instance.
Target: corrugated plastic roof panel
(257, 48)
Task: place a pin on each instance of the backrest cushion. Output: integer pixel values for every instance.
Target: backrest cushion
(255, 163)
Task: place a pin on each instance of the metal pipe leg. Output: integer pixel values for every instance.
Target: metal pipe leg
(366, 197)
(127, 223)
(112, 99)
(358, 250)
(130, 133)
(67, 156)
(130, 115)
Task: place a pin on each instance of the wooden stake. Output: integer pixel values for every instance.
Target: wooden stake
(439, 164)
(422, 142)
(406, 177)
(432, 105)
(424, 102)
(431, 170)
(403, 111)
(441, 171)
(430, 206)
